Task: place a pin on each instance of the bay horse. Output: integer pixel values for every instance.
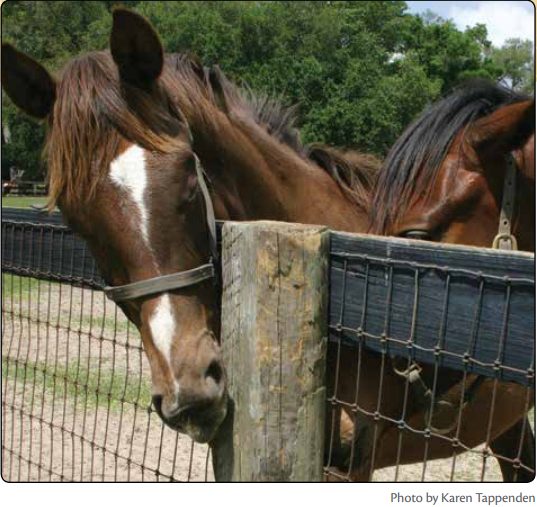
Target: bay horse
(141, 148)
(447, 179)
(128, 133)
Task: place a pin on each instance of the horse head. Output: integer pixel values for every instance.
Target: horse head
(445, 178)
(122, 170)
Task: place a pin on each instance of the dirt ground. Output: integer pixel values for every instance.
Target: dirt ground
(75, 399)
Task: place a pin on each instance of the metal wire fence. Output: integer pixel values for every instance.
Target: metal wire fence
(453, 362)
(76, 403)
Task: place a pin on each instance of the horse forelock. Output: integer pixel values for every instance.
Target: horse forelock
(414, 162)
(92, 114)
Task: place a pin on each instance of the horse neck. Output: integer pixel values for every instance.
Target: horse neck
(255, 177)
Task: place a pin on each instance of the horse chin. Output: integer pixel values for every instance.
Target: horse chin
(204, 429)
(203, 433)
(200, 435)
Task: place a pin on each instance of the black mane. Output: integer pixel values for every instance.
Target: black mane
(412, 163)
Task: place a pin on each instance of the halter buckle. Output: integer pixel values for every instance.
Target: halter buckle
(505, 241)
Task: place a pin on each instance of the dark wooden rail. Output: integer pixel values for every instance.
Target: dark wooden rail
(464, 308)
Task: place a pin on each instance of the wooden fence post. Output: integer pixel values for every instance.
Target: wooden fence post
(274, 328)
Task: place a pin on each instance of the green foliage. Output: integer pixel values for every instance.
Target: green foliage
(24, 149)
(515, 59)
(359, 71)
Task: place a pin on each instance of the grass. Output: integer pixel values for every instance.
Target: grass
(22, 287)
(19, 285)
(16, 201)
(91, 387)
(110, 324)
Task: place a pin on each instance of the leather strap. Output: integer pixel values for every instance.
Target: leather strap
(209, 210)
(160, 283)
(443, 418)
(180, 279)
(505, 239)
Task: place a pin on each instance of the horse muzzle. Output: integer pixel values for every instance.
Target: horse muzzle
(200, 420)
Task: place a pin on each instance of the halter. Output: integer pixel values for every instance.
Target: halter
(505, 239)
(180, 279)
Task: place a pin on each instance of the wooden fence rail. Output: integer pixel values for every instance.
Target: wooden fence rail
(473, 306)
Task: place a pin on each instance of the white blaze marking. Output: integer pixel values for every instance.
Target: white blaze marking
(128, 172)
(162, 325)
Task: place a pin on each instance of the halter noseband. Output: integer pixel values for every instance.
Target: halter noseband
(180, 279)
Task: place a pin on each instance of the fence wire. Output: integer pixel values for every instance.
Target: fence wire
(383, 415)
(76, 393)
(76, 403)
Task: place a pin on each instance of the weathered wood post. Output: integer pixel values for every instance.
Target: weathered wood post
(274, 328)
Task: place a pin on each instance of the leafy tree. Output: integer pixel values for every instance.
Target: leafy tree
(515, 59)
(359, 71)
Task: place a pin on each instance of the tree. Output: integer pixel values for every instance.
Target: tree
(515, 59)
(358, 71)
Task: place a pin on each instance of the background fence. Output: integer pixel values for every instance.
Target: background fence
(76, 387)
(24, 188)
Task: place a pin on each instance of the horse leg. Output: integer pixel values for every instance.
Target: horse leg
(508, 445)
(356, 442)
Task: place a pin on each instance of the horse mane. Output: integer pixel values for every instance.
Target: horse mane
(413, 163)
(354, 172)
(85, 134)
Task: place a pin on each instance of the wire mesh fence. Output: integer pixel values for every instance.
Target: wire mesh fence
(76, 394)
(453, 363)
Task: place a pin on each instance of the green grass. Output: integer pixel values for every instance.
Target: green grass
(19, 285)
(110, 323)
(22, 287)
(90, 387)
(15, 201)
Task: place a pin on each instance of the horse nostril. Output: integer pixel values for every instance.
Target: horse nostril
(215, 372)
(157, 403)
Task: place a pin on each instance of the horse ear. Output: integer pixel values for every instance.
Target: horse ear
(136, 48)
(27, 83)
(197, 66)
(505, 130)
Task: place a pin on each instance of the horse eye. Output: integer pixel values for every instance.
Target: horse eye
(417, 234)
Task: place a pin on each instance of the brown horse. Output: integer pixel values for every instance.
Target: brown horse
(125, 131)
(444, 180)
